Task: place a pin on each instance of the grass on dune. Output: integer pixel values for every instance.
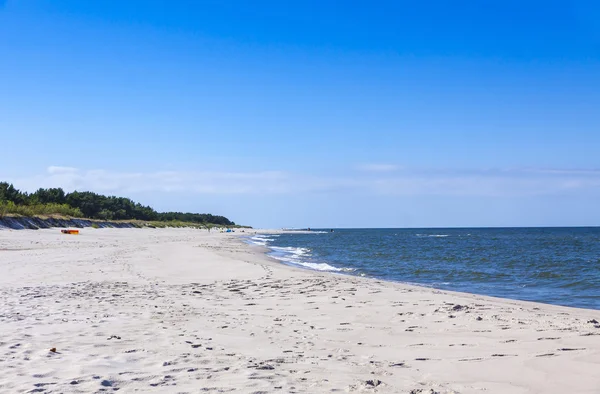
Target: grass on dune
(64, 211)
(10, 208)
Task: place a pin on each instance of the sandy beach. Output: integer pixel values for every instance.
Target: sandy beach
(185, 311)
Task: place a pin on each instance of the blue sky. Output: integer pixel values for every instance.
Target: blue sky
(353, 114)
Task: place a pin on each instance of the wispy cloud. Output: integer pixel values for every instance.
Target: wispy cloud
(54, 170)
(402, 182)
(559, 171)
(378, 167)
(105, 181)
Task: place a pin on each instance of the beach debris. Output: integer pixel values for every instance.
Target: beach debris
(113, 337)
(458, 307)
(262, 366)
(593, 321)
(479, 318)
(106, 383)
(398, 365)
(373, 382)
(53, 350)
(70, 231)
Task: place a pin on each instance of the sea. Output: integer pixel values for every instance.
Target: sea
(558, 266)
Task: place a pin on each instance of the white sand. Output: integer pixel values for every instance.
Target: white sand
(182, 311)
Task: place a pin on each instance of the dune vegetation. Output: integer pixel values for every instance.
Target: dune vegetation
(89, 205)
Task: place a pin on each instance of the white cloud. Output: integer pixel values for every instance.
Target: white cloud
(562, 171)
(378, 167)
(61, 170)
(498, 183)
(491, 186)
(113, 182)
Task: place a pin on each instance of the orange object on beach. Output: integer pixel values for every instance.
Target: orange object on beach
(69, 231)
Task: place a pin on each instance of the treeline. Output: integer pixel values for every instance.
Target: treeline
(91, 205)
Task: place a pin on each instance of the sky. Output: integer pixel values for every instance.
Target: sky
(310, 113)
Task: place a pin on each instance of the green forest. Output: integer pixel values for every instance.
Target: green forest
(54, 201)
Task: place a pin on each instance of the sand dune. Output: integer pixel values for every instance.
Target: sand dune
(184, 311)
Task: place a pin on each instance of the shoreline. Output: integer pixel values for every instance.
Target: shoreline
(266, 250)
(176, 310)
(341, 271)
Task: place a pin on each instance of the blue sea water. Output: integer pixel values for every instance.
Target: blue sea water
(551, 265)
